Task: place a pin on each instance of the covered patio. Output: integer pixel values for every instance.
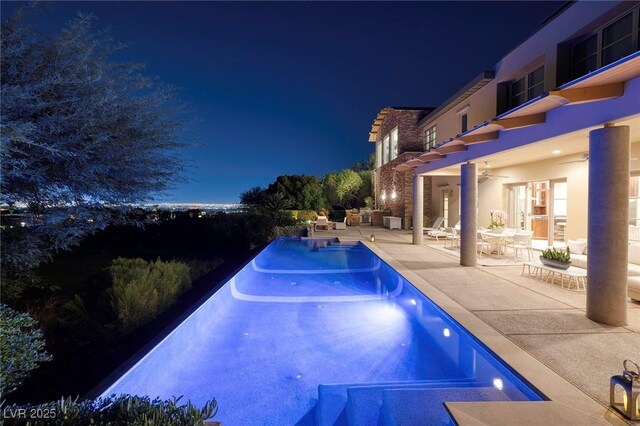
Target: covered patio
(560, 165)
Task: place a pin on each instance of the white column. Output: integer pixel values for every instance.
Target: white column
(468, 214)
(608, 230)
(418, 209)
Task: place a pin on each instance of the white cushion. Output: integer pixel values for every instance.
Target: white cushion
(576, 247)
(586, 248)
(634, 253)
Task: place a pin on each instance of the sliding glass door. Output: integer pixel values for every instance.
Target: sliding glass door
(559, 212)
(518, 207)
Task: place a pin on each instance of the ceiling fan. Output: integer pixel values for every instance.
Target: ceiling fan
(583, 157)
(487, 175)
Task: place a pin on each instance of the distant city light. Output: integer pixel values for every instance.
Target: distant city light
(23, 224)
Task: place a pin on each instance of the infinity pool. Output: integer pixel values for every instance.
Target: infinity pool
(321, 332)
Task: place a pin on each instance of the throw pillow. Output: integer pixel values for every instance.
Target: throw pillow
(576, 247)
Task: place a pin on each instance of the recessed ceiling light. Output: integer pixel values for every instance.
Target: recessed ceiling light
(557, 151)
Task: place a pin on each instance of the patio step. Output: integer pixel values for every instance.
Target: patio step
(350, 404)
(417, 407)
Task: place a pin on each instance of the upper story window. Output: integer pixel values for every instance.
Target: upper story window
(394, 143)
(430, 140)
(607, 45)
(526, 88)
(385, 150)
(378, 154)
(464, 123)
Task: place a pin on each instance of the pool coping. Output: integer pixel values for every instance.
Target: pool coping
(551, 384)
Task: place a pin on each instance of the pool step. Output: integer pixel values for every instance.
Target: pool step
(351, 404)
(418, 407)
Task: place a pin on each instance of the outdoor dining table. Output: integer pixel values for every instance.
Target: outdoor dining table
(496, 240)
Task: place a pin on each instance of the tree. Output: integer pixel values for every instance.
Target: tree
(273, 202)
(252, 198)
(343, 188)
(366, 187)
(79, 133)
(303, 192)
(21, 348)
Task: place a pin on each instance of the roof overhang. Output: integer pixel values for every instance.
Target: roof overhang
(375, 127)
(606, 83)
(473, 86)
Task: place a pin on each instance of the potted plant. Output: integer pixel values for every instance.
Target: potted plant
(556, 258)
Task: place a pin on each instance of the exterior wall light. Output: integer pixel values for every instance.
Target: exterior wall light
(393, 195)
(384, 196)
(372, 238)
(629, 384)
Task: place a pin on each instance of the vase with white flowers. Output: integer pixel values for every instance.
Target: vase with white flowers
(498, 219)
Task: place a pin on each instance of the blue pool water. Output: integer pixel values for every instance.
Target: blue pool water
(320, 332)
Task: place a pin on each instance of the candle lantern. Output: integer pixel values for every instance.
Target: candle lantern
(372, 238)
(625, 391)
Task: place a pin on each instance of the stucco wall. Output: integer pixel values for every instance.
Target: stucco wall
(541, 48)
(493, 192)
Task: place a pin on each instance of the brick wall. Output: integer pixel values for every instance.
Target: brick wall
(386, 180)
(408, 135)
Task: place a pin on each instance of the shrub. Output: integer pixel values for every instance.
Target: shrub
(201, 267)
(121, 410)
(338, 215)
(305, 215)
(297, 230)
(554, 254)
(142, 290)
(21, 348)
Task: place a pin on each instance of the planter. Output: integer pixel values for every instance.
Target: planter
(376, 217)
(555, 263)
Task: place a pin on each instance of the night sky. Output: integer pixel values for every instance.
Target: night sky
(293, 88)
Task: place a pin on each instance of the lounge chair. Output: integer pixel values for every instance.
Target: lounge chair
(322, 222)
(437, 224)
(438, 233)
(341, 225)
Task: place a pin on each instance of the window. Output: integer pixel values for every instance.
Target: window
(607, 45)
(394, 143)
(585, 56)
(527, 88)
(385, 150)
(463, 123)
(430, 138)
(634, 200)
(445, 207)
(559, 210)
(378, 154)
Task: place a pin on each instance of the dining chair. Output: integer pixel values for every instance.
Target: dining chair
(521, 240)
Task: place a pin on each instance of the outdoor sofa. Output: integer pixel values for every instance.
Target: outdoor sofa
(578, 250)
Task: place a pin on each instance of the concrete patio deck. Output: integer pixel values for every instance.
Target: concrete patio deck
(538, 328)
